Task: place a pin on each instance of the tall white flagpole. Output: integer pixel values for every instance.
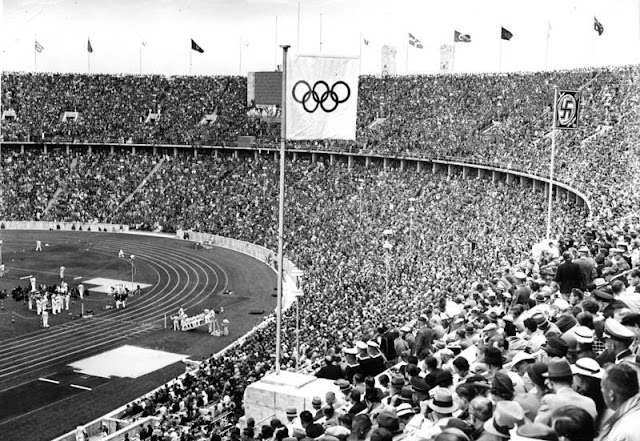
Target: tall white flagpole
(553, 153)
(298, 37)
(283, 142)
(321, 32)
(190, 59)
(35, 54)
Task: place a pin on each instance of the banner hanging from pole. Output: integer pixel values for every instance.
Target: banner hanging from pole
(321, 97)
(567, 110)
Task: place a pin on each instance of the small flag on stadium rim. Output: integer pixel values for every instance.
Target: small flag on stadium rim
(597, 26)
(505, 34)
(413, 41)
(39, 47)
(461, 38)
(89, 48)
(321, 97)
(567, 109)
(195, 47)
(366, 42)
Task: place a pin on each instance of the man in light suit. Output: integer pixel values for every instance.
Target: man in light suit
(560, 379)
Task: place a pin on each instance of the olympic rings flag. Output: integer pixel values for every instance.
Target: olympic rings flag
(321, 97)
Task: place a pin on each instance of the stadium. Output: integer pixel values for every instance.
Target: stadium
(460, 270)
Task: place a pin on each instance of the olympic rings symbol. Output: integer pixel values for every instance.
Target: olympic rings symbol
(320, 95)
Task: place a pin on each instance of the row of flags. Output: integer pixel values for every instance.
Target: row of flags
(458, 37)
(505, 34)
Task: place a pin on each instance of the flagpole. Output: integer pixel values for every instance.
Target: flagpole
(283, 142)
(546, 53)
(298, 36)
(140, 59)
(321, 32)
(406, 62)
(190, 59)
(35, 54)
(500, 62)
(275, 53)
(553, 152)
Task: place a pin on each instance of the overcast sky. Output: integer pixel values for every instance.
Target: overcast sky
(241, 35)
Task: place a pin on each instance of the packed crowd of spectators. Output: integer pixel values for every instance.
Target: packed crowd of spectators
(499, 119)
(460, 256)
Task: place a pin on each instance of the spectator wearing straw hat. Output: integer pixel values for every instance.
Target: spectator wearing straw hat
(587, 375)
(560, 380)
(533, 432)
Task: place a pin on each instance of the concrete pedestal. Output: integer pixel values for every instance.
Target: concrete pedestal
(272, 395)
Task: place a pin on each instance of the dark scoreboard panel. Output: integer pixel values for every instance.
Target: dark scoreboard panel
(268, 88)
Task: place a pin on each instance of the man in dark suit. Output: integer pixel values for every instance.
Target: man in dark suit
(569, 275)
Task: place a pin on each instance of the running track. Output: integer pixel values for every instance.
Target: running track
(185, 278)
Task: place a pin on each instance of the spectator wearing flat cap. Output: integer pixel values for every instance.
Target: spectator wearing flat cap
(560, 380)
(388, 419)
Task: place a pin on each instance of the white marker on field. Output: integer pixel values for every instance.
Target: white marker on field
(26, 277)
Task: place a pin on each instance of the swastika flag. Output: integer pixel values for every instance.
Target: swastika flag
(321, 97)
(567, 109)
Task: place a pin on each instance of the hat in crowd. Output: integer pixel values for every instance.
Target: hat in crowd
(470, 329)
(583, 334)
(603, 296)
(444, 378)
(502, 386)
(533, 432)
(404, 409)
(419, 384)
(423, 318)
(540, 297)
(536, 372)
(520, 275)
(506, 415)
(598, 282)
(520, 357)
(379, 434)
(406, 394)
(561, 304)
(490, 327)
(457, 423)
(566, 322)
(397, 381)
(583, 250)
(617, 331)
(316, 402)
(546, 291)
(616, 250)
(541, 320)
(556, 347)
(558, 368)
(388, 419)
(314, 430)
(442, 401)
(361, 345)
(291, 411)
(405, 328)
(588, 367)
(508, 318)
(493, 356)
(343, 385)
(530, 403)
